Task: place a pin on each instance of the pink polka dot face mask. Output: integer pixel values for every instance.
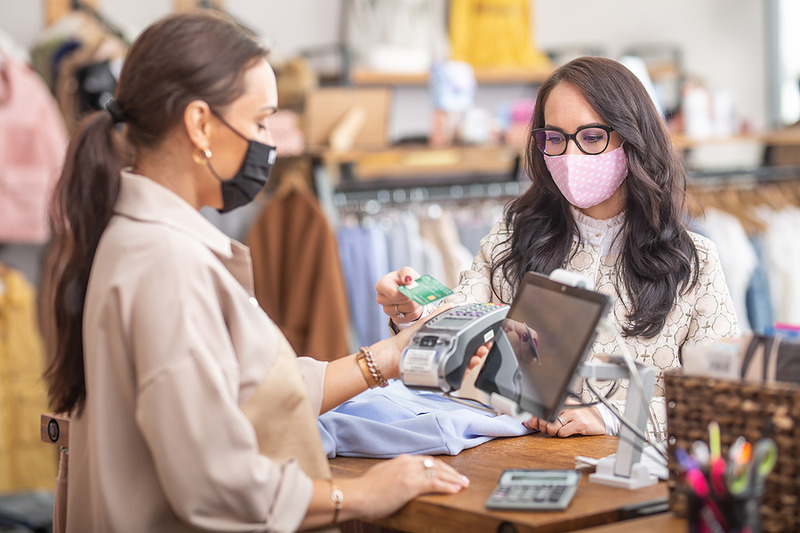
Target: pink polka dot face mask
(587, 180)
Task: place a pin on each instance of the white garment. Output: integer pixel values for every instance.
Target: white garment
(782, 255)
(736, 255)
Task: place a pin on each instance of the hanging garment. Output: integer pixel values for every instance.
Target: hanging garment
(25, 461)
(736, 255)
(782, 253)
(758, 299)
(33, 141)
(364, 261)
(443, 234)
(298, 275)
(79, 58)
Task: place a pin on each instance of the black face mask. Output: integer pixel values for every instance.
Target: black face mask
(251, 177)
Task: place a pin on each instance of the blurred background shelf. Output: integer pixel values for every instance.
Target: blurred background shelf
(484, 76)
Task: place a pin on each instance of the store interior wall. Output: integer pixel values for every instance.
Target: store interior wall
(723, 41)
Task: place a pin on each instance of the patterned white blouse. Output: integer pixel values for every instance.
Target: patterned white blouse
(701, 316)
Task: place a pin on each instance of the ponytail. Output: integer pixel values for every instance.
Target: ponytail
(179, 59)
(80, 208)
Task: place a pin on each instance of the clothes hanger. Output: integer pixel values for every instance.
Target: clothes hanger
(291, 180)
(791, 191)
(735, 202)
(772, 196)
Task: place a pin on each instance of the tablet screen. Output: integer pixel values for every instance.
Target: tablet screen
(547, 334)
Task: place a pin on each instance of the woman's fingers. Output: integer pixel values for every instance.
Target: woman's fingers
(480, 353)
(399, 307)
(443, 476)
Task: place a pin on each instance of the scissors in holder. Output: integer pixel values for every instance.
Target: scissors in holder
(749, 482)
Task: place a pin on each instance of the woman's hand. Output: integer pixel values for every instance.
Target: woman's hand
(399, 307)
(522, 338)
(389, 485)
(579, 421)
(480, 353)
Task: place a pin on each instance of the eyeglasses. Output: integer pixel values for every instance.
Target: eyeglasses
(591, 140)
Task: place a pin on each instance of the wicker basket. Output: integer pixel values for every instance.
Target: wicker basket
(750, 409)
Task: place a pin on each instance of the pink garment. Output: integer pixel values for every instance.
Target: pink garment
(33, 140)
(587, 180)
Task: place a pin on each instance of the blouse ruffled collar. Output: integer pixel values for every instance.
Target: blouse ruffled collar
(601, 233)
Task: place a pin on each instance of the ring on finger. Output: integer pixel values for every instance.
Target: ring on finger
(427, 463)
(399, 314)
(561, 420)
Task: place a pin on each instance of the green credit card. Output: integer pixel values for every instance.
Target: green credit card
(425, 290)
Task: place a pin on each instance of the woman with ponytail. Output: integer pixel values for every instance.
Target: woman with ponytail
(607, 201)
(188, 409)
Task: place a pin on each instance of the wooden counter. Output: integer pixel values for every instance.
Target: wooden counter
(593, 504)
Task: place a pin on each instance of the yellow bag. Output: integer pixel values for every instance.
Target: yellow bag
(493, 33)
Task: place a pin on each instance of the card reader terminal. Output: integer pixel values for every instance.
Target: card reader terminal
(438, 354)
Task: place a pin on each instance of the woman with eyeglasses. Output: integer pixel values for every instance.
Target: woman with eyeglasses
(606, 200)
(189, 411)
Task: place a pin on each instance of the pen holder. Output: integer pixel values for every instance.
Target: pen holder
(750, 409)
(723, 514)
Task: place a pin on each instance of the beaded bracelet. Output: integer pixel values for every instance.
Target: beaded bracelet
(372, 374)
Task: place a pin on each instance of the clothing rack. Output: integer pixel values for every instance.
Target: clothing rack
(744, 176)
(371, 202)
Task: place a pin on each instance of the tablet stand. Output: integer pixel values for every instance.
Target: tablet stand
(625, 469)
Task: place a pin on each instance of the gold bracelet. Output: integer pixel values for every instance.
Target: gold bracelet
(337, 497)
(374, 371)
(362, 362)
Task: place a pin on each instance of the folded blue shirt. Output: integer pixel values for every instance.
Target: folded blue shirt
(386, 422)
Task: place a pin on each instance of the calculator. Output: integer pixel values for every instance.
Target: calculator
(534, 490)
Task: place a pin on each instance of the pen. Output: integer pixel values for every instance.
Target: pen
(710, 512)
(700, 453)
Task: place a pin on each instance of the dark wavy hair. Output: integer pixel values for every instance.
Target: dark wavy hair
(658, 259)
(179, 59)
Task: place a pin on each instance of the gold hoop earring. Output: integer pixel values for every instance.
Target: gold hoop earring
(201, 155)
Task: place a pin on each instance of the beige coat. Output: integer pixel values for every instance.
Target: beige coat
(176, 351)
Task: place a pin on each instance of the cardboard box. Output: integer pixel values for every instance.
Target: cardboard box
(326, 107)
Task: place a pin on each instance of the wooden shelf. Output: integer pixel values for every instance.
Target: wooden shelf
(484, 76)
(414, 161)
(785, 137)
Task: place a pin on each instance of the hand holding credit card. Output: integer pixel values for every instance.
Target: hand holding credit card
(425, 290)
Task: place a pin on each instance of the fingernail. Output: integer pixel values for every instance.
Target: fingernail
(457, 487)
(535, 342)
(408, 280)
(465, 481)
